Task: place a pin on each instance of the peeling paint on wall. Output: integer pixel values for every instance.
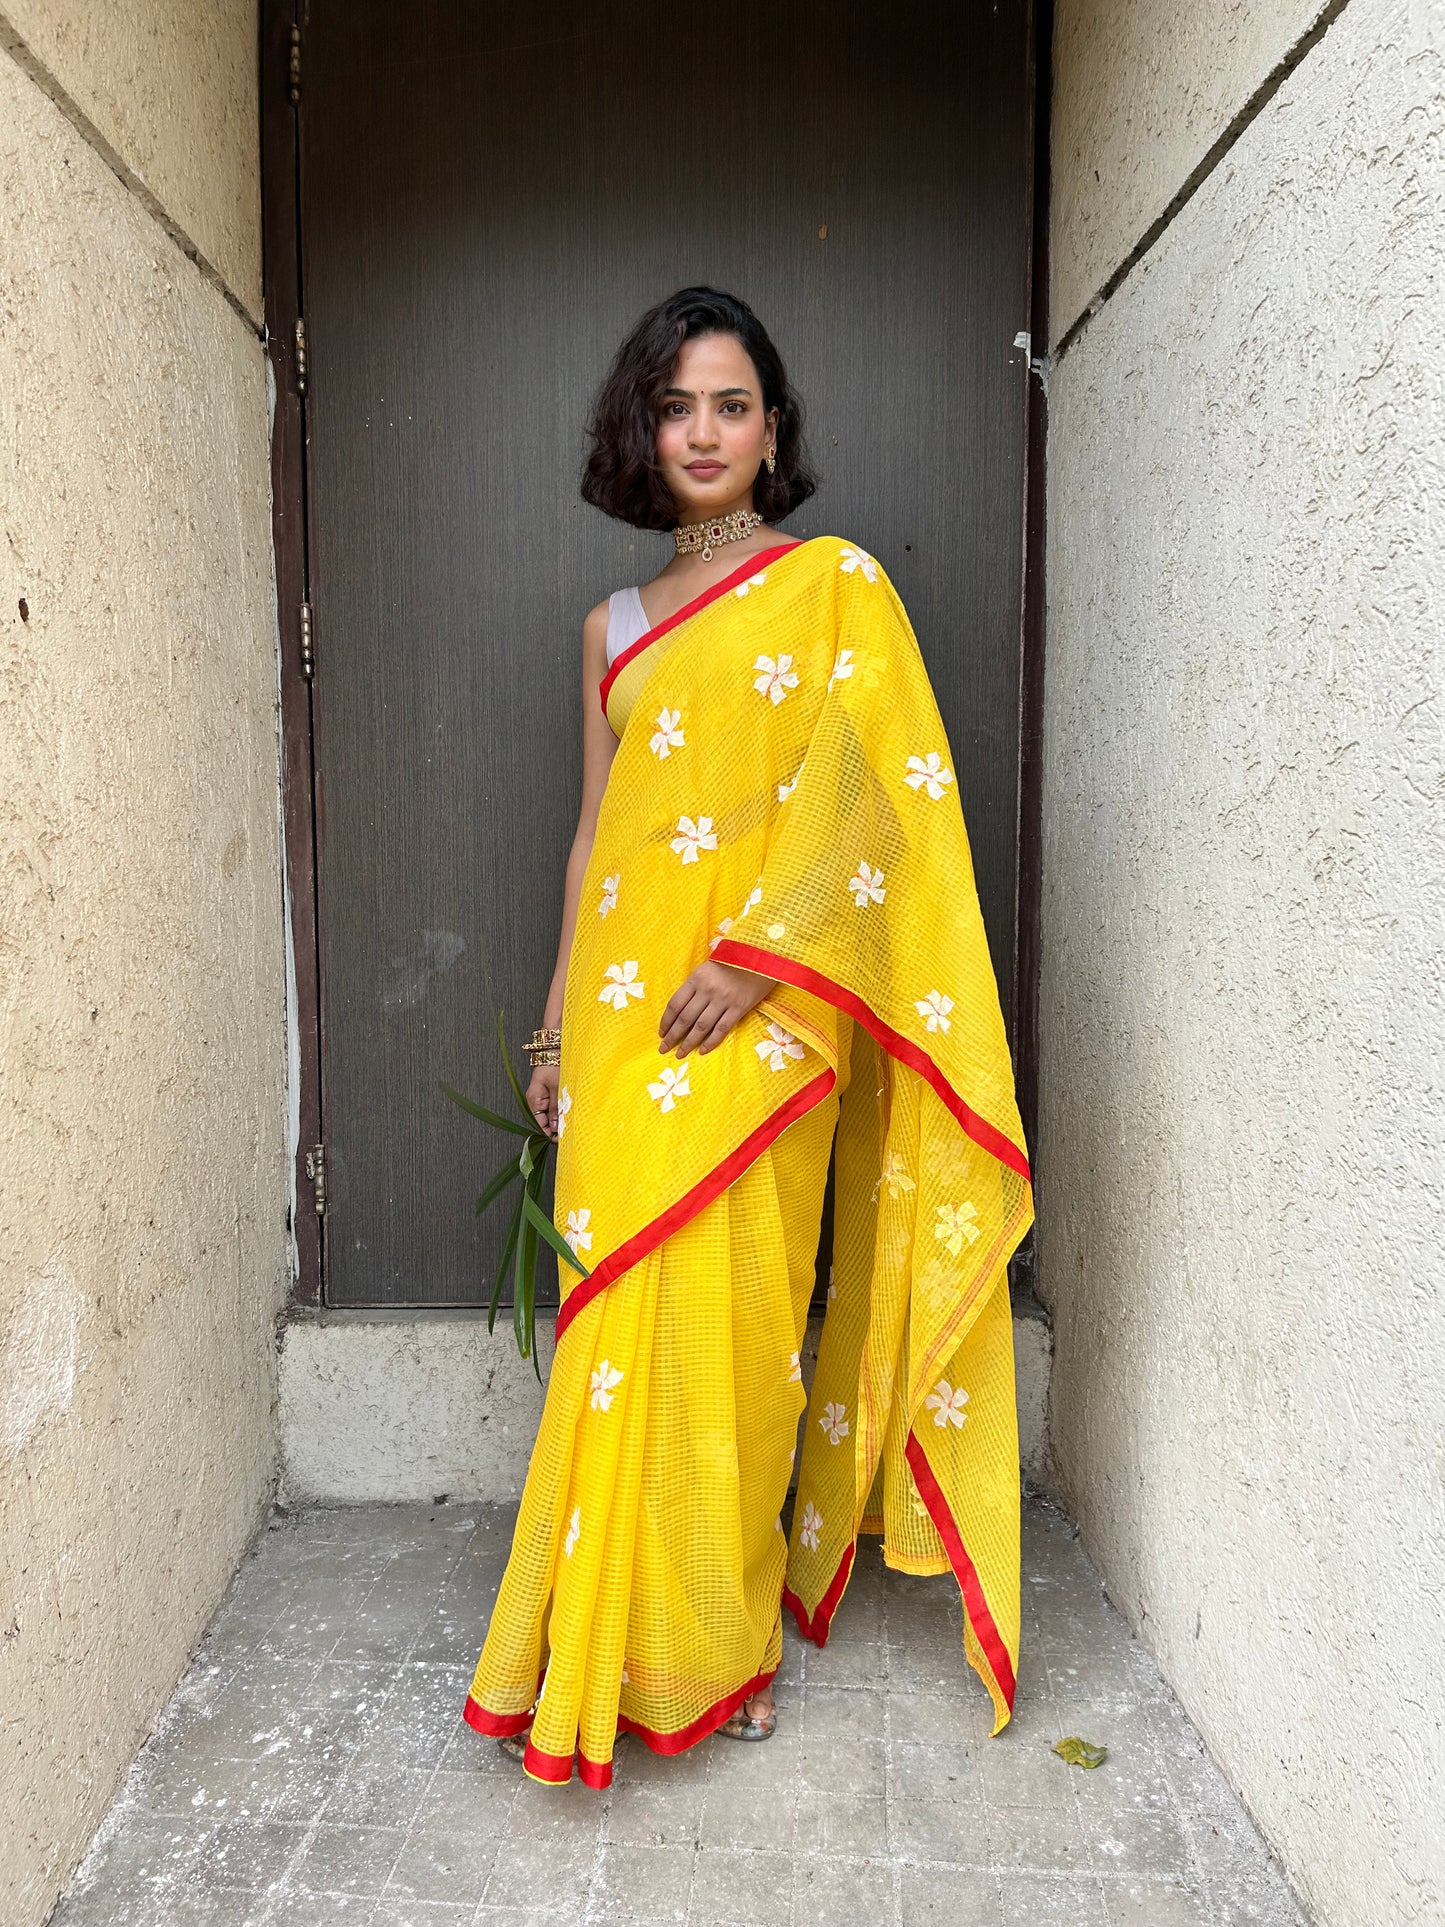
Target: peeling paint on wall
(40, 1354)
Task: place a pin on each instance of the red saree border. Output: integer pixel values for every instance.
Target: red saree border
(691, 1202)
(555, 1769)
(698, 1729)
(497, 1726)
(744, 569)
(768, 963)
(816, 1625)
(964, 1571)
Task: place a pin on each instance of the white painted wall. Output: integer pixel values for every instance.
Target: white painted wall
(1244, 874)
(1144, 92)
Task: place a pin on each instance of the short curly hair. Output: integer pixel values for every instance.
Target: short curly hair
(620, 475)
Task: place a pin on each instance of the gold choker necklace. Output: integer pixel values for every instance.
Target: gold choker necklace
(703, 535)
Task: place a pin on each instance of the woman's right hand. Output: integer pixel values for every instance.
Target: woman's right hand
(542, 1097)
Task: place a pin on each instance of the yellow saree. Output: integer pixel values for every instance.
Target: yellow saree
(782, 794)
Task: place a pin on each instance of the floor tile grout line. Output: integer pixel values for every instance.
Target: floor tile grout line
(991, 1808)
(593, 1901)
(1106, 1881)
(692, 1863)
(1178, 1800)
(317, 1820)
(1176, 1809)
(313, 1826)
(702, 1813)
(887, 1644)
(805, 1670)
(441, 1754)
(1211, 1899)
(1108, 1878)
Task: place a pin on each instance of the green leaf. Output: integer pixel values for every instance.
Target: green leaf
(529, 1221)
(507, 1249)
(1079, 1752)
(501, 1039)
(508, 1174)
(524, 1310)
(488, 1117)
(512, 1075)
(525, 1276)
(525, 1271)
(531, 1312)
(546, 1229)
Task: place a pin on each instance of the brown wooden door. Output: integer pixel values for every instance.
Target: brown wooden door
(490, 195)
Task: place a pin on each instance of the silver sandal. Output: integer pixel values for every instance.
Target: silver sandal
(514, 1745)
(744, 1725)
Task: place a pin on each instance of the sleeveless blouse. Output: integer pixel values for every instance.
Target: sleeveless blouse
(626, 622)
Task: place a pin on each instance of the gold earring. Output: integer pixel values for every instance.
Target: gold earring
(770, 461)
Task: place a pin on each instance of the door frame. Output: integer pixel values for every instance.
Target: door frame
(280, 56)
(283, 84)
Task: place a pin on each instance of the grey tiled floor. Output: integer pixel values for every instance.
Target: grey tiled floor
(312, 1769)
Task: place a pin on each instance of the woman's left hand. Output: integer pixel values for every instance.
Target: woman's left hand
(703, 1009)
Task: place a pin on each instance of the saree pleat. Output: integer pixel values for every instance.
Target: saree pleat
(649, 1521)
(781, 797)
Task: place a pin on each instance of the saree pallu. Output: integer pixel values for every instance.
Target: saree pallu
(783, 797)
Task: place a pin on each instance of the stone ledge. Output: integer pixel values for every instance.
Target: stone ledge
(410, 1406)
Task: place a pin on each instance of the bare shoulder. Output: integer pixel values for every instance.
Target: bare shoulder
(594, 642)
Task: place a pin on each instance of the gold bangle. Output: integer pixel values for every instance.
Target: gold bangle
(545, 1047)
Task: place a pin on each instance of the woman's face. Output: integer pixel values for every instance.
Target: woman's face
(712, 429)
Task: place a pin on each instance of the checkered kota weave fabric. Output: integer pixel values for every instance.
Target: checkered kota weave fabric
(783, 796)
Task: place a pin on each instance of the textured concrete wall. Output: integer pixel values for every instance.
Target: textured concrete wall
(172, 87)
(384, 1409)
(142, 1193)
(377, 1410)
(1144, 91)
(1242, 997)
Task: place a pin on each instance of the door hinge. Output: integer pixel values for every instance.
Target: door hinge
(295, 65)
(308, 650)
(316, 1171)
(301, 369)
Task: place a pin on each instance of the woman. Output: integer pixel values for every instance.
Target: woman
(770, 936)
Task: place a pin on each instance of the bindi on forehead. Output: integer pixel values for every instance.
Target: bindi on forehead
(717, 394)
